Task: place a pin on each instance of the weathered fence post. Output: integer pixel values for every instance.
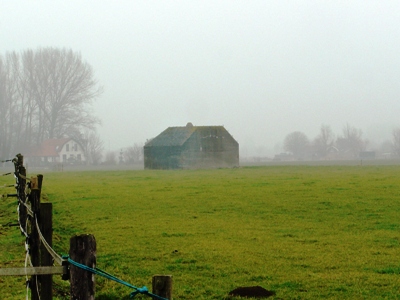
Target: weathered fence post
(82, 250)
(162, 286)
(20, 170)
(46, 227)
(34, 238)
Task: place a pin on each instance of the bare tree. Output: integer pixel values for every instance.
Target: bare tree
(324, 141)
(296, 143)
(133, 154)
(64, 87)
(110, 158)
(93, 146)
(3, 110)
(351, 143)
(10, 107)
(396, 141)
(386, 149)
(44, 94)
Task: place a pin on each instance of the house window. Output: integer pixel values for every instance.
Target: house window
(76, 147)
(67, 147)
(64, 157)
(79, 157)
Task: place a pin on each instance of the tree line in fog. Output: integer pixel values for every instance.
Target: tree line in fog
(350, 144)
(46, 93)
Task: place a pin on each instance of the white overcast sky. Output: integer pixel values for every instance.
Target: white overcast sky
(260, 68)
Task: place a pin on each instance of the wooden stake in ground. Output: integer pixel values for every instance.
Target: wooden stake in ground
(46, 227)
(162, 286)
(82, 250)
(36, 184)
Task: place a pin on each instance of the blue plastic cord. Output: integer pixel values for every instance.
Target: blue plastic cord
(143, 290)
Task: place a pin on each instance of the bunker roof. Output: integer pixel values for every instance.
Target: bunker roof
(177, 136)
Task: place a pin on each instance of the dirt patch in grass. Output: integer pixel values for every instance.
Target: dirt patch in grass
(251, 292)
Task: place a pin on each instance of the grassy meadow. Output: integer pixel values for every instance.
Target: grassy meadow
(304, 232)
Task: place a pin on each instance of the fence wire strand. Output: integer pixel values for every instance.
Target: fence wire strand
(56, 258)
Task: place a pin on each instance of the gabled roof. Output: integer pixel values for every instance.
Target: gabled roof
(177, 136)
(172, 136)
(50, 147)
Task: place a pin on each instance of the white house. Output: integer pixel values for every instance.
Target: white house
(64, 150)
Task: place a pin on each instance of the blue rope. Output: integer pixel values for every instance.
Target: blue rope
(143, 290)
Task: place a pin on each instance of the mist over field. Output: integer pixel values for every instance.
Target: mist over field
(263, 69)
(303, 200)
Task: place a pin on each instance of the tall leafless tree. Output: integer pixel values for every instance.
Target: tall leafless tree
(3, 109)
(351, 142)
(324, 141)
(10, 107)
(110, 158)
(396, 141)
(64, 87)
(93, 146)
(133, 154)
(46, 93)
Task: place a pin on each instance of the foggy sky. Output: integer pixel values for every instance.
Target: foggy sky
(260, 68)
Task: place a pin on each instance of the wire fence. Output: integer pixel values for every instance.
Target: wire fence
(28, 197)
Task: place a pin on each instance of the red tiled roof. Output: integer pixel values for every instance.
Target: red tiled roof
(48, 148)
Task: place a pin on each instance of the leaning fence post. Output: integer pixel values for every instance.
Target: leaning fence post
(82, 250)
(162, 286)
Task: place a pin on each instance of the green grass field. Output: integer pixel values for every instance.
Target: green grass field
(304, 232)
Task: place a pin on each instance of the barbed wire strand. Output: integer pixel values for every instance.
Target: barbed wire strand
(57, 258)
(30, 213)
(23, 230)
(7, 185)
(24, 177)
(7, 160)
(27, 257)
(28, 208)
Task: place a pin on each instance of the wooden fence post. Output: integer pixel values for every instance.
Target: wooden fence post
(162, 286)
(20, 170)
(82, 250)
(34, 238)
(46, 227)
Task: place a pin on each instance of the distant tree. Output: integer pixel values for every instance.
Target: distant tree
(3, 111)
(396, 141)
(296, 143)
(93, 146)
(351, 143)
(10, 107)
(110, 158)
(121, 159)
(129, 156)
(63, 86)
(386, 149)
(44, 94)
(324, 141)
(133, 154)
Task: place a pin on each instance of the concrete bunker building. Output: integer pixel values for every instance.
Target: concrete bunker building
(192, 147)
